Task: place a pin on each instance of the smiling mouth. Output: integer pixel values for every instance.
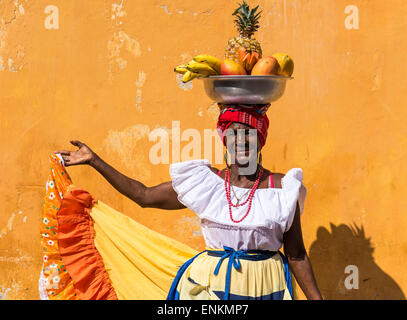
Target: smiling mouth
(243, 148)
(243, 152)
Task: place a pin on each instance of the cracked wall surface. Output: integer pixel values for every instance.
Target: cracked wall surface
(104, 76)
(11, 52)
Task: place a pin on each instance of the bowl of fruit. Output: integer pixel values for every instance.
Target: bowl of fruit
(245, 76)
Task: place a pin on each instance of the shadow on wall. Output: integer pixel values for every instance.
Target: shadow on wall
(332, 252)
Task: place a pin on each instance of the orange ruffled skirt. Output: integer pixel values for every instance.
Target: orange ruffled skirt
(93, 252)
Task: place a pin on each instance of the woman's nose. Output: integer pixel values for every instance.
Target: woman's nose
(241, 138)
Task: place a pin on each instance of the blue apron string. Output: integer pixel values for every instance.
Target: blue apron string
(287, 275)
(172, 294)
(234, 260)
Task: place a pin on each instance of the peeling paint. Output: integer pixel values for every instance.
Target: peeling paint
(10, 65)
(15, 288)
(185, 57)
(213, 111)
(379, 59)
(125, 144)
(9, 225)
(141, 79)
(139, 83)
(3, 37)
(138, 96)
(21, 9)
(117, 11)
(132, 45)
(18, 259)
(194, 223)
(13, 57)
(1, 64)
(197, 233)
(165, 9)
(3, 293)
(120, 41)
(184, 86)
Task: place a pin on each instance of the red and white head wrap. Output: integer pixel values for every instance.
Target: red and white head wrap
(255, 117)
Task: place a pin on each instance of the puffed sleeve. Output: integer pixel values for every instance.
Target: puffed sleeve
(294, 191)
(191, 181)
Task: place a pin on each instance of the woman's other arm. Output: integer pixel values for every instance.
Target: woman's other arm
(298, 260)
(161, 196)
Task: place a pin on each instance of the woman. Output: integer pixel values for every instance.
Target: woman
(245, 217)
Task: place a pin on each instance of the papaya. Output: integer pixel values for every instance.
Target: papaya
(266, 66)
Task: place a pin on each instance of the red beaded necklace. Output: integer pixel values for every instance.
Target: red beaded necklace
(249, 198)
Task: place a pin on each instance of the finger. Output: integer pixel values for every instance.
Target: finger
(77, 143)
(65, 160)
(63, 152)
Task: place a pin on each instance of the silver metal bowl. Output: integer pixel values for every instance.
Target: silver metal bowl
(245, 89)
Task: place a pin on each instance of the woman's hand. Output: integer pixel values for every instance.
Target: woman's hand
(84, 155)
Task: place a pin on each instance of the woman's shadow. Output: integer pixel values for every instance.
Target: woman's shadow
(344, 266)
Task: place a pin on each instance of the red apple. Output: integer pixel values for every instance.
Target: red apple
(231, 68)
(266, 66)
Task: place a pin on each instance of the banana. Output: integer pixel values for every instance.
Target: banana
(201, 68)
(188, 76)
(182, 68)
(212, 61)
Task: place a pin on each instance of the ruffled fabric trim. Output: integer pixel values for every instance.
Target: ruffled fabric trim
(77, 248)
(295, 192)
(66, 274)
(55, 282)
(199, 189)
(186, 176)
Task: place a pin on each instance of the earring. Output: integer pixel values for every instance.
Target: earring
(260, 158)
(226, 159)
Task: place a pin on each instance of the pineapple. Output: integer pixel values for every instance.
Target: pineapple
(243, 49)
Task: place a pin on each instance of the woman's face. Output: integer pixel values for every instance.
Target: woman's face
(242, 143)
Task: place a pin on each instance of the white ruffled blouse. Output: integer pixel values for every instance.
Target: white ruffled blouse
(271, 214)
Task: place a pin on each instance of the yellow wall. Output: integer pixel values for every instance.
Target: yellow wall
(105, 77)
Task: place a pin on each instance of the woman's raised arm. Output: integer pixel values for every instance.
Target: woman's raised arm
(161, 196)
